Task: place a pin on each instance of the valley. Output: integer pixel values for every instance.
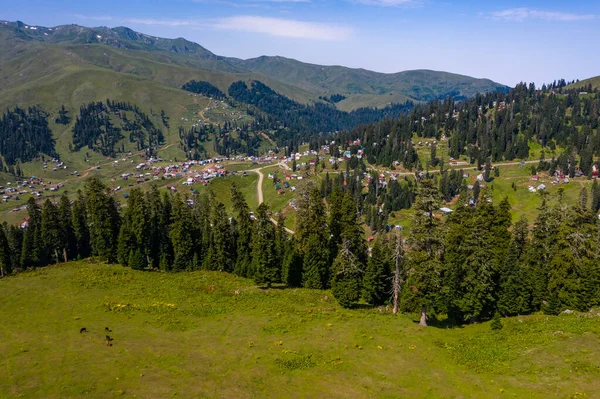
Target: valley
(176, 223)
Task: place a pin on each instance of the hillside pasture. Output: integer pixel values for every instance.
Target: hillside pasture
(189, 335)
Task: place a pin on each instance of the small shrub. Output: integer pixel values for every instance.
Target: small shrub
(297, 362)
(496, 322)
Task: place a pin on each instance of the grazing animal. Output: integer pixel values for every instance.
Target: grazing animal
(107, 329)
(236, 292)
(387, 308)
(108, 343)
(326, 298)
(380, 309)
(82, 330)
(108, 338)
(211, 287)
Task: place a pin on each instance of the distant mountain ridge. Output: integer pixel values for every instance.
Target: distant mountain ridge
(360, 87)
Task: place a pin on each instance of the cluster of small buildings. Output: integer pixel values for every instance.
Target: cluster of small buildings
(286, 183)
(34, 186)
(57, 165)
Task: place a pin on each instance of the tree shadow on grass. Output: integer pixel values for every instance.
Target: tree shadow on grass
(279, 287)
(433, 321)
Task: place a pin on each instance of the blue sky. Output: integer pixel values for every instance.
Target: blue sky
(507, 41)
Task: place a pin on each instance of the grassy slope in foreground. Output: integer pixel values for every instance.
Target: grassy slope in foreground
(173, 335)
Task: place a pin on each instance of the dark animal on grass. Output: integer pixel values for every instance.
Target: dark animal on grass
(108, 338)
(82, 330)
(107, 329)
(108, 343)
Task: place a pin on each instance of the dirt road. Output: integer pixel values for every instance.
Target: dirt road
(259, 190)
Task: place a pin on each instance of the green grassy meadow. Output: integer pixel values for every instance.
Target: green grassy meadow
(188, 335)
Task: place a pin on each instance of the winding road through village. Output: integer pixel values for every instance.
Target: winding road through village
(259, 184)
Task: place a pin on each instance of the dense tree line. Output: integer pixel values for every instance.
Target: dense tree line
(334, 98)
(293, 121)
(229, 139)
(204, 88)
(24, 135)
(383, 195)
(469, 266)
(95, 127)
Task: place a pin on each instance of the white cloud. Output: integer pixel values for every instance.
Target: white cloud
(389, 3)
(521, 14)
(161, 22)
(248, 23)
(283, 27)
(94, 17)
(249, 3)
(284, 1)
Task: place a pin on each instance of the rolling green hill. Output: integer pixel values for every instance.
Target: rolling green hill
(187, 335)
(420, 85)
(176, 61)
(72, 65)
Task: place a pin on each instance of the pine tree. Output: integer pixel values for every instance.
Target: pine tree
(540, 252)
(376, 282)
(51, 231)
(347, 272)
(32, 241)
(334, 222)
(68, 242)
(166, 248)
(155, 226)
(14, 235)
(496, 323)
(310, 216)
(422, 288)
(181, 235)
(281, 240)
(126, 243)
(221, 251)
(138, 214)
(425, 230)
(315, 268)
(80, 227)
(583, 199)
(137, 259)
(351, 230)
(244, 230)
(476, 191)
(474, 295)
(291, 273)
(6, 262)
(513, 294)
(103, 220)
(595, 206)
(265, 265)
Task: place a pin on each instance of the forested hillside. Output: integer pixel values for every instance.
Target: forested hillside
(230, 139)
(204, 88)
(24, 135)
(95, 130)
(495, 126)
(293, 122)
